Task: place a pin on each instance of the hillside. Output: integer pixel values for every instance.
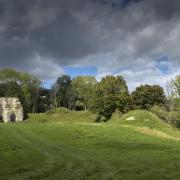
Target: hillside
(62, 115)
(39, 149)
(147, 123)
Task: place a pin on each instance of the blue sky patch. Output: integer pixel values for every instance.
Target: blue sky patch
(74, 72)
(80, 71)
(162, 64)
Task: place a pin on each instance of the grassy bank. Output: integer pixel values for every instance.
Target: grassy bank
(54, 149)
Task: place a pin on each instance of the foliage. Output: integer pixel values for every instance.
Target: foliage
(23, 85)
(43, 100)
(176, 104)
(7, 75)
(117, 114)
(145, 96)
(63, 92)
(83, 87)
(171, 117)
(2, 89)
(174, 118)
(108, 97)
(30, 87)
(161, 112)
(176, 85)
(111, 94)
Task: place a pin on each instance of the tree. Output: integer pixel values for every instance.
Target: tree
(2, 89)
(111, 94)
(145, 96)
(7, 75)
(173, 92)
(62, 92)
(176, 85)
(83, 90)
(44, 100)
(28, 84)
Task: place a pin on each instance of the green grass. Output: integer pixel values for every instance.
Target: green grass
(45, 148)
(146, 119)
(62, 115)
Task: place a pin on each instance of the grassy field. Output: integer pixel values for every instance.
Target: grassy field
(69, 146)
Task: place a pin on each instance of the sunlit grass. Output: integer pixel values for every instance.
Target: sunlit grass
(88, 151)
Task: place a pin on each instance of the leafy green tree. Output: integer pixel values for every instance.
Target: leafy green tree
(176, 86)
(145, 96)
(43, 102)
(173, 94)
(62, 91)
(29, 86)
(2, 89)
(83, 87)
(7, 75)
(111, 94)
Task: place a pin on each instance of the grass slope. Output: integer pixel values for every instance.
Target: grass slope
(62, 115)
(141, 118)
(87, 151)
(148, 123)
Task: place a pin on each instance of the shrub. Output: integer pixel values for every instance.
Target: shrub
(117, 114)
(161, 112)
(174, 118)
(146, 96)
(111, 94)
(171, 117)
(100, 118)
(176, 104)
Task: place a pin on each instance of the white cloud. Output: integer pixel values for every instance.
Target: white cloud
(88, 33)
(45, 69)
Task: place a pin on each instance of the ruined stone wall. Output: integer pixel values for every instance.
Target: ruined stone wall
(11, 109)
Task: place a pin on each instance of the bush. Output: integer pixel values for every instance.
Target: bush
(111, 94)
(171, 117)
(146, 96)
(176, 104)
(117, 114)
(100, 118)
(161, 112)
(174, 118)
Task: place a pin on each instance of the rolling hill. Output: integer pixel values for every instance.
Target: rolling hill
(46, 147)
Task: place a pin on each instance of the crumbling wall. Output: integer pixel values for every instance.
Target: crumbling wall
(11, 109)
(1, 111)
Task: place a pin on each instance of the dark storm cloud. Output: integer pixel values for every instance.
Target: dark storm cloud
(166, 9)
(48, 28)
(110, 34)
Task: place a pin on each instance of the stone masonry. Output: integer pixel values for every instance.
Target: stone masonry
(10, 109)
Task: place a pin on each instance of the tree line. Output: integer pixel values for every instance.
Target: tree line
(104, 98)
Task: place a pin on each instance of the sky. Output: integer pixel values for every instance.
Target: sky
(138, 39)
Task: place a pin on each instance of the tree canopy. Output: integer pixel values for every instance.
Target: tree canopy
(176, 85)
(83, 93)
(111, 94)
(83, 87)
(145, 96)
(20, 84)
